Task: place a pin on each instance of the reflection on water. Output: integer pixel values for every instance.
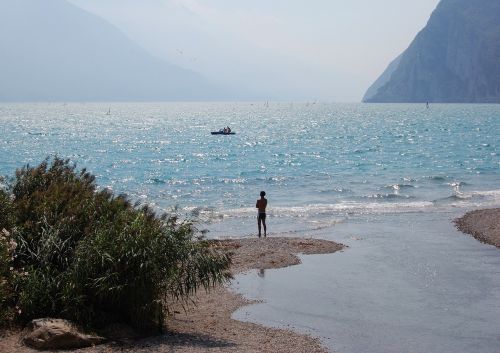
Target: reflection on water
(406, 284)
(318, 163)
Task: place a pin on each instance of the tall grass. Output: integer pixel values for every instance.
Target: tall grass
(93, 257)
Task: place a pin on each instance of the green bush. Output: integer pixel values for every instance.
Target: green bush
(92, 257)
(7, 246)
(6, 311)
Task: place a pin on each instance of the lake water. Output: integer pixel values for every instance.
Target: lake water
(384, 179)
(319, 163)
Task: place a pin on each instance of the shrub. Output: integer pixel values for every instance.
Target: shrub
(7, 247)
(93, 257)
(6, 310)
(6, 208)
(134, 266)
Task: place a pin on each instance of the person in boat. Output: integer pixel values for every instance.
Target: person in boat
(261, 215)
(228, 130)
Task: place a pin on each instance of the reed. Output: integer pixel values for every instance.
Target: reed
(93, 257)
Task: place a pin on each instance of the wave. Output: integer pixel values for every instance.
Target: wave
(400, 186)
(437, 178)
(196, 181)
(155, 181)
(336, 212)
(452, 199)
(336, 191)
(232, 180)
(472, 199)
(488, 193)
(457, 184)
(409, 179)
(390, 196)
(272, 179)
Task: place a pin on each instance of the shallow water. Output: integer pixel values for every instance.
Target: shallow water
(406, 284)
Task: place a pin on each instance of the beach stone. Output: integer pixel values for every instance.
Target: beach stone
(50, 333)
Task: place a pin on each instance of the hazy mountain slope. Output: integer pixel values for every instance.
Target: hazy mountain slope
(52, 50)
(383, 79)
(455, 58)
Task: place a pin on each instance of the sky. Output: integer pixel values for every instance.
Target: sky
(328, 50)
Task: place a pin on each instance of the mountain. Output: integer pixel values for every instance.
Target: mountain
(454, 59)
(383, 79)
(54, 51)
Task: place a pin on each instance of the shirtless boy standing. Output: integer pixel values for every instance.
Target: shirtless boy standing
(261, 216)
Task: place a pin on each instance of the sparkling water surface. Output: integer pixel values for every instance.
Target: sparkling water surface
(386, 180)
(318, 163)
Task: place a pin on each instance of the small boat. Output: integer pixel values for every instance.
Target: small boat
(222, 133)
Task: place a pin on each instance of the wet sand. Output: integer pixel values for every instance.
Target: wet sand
(484, 225)
(207, 326)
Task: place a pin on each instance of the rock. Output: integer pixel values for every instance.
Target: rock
(58, 334)
(383, 79)
(454, 59)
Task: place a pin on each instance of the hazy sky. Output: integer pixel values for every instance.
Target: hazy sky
(285, 49)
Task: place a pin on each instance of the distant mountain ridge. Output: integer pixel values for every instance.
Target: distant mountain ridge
(454, 59)
(54, 51)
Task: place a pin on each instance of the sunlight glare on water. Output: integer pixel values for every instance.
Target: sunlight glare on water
(317, 162)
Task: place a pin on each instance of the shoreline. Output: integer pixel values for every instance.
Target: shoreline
(207, 325)
(484, 225)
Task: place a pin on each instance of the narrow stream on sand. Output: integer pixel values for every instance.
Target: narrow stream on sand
(407, 284)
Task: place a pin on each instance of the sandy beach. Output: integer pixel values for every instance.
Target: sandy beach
(207, 326)
(484, 225)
